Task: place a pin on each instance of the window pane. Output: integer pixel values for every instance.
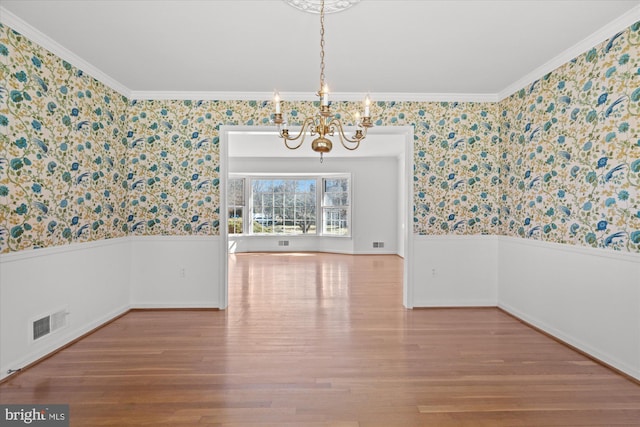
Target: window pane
(235, 192)
(336, 199)
(235, 220)
(336, 184)
(235, 204)
(283, 206)
(335, 221)
(336, 192)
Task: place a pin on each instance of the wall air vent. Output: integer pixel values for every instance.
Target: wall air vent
(48, 324)
(41, 327)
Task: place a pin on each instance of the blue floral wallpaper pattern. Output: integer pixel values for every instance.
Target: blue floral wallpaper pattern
(173, 168)
(571, 155)
(557, 161)
(61, 164)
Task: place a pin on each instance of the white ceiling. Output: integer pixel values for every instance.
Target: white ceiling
(378, 46)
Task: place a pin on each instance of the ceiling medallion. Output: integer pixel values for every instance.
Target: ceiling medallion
(330, 6)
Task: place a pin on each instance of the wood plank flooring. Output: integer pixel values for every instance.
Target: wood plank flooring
(323, 340)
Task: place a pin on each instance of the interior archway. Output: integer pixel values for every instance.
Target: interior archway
(262, 142)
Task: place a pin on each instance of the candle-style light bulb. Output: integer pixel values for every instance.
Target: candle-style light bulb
(357, 117)
(276, 101)
(285, 125)
(367, 104)
(325, 95)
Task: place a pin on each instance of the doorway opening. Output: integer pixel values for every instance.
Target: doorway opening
(258, 150)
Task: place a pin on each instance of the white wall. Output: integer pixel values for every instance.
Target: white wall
(454, 271)
(98, 281)
(375, 204)
(176, 272)
(589, 298)
(90, 280)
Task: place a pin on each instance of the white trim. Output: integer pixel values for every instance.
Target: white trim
(574, 51)
(600, 252)
(583, 250)
(169, 238)
(53, 250)
(406, 130)
(419, 237)
(223, 213)
(455, 303)
(38, 37)
(311, 96)
(408, 281)
(556, 333)
(178, 306)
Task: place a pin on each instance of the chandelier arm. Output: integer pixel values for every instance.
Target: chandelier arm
(308, 123)
(343, 137)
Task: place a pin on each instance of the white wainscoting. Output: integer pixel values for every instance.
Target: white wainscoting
(454, 271)
(176, 272)
(90, 280)
(98, 281)
(589, 298)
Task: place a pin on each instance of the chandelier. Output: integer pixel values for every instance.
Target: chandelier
(324, 123)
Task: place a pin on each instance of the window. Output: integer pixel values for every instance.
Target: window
(335, 206)
(283, 205)
(235, 204)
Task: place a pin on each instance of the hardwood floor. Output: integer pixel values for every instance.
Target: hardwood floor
(323, 340)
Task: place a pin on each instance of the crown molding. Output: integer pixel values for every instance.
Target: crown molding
(17, 24)
(311, 96)
(14, 22)
(604, 33)
(36, 36)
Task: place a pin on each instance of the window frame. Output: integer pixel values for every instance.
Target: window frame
(248, 212)
(326, 207)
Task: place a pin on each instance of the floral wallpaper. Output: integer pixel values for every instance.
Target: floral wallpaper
(557, 161)
(571, 150)
(60, 150)
(173, 163)
(173, 167)
(456, 168)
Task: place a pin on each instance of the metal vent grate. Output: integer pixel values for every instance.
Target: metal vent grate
(41, 327)
(49, 324)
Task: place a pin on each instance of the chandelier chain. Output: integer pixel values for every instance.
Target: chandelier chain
(322, 46)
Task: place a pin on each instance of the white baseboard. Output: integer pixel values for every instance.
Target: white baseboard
(455, 303)
(177, 306)
(56, 342)
(605, 357)
(586, 297)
